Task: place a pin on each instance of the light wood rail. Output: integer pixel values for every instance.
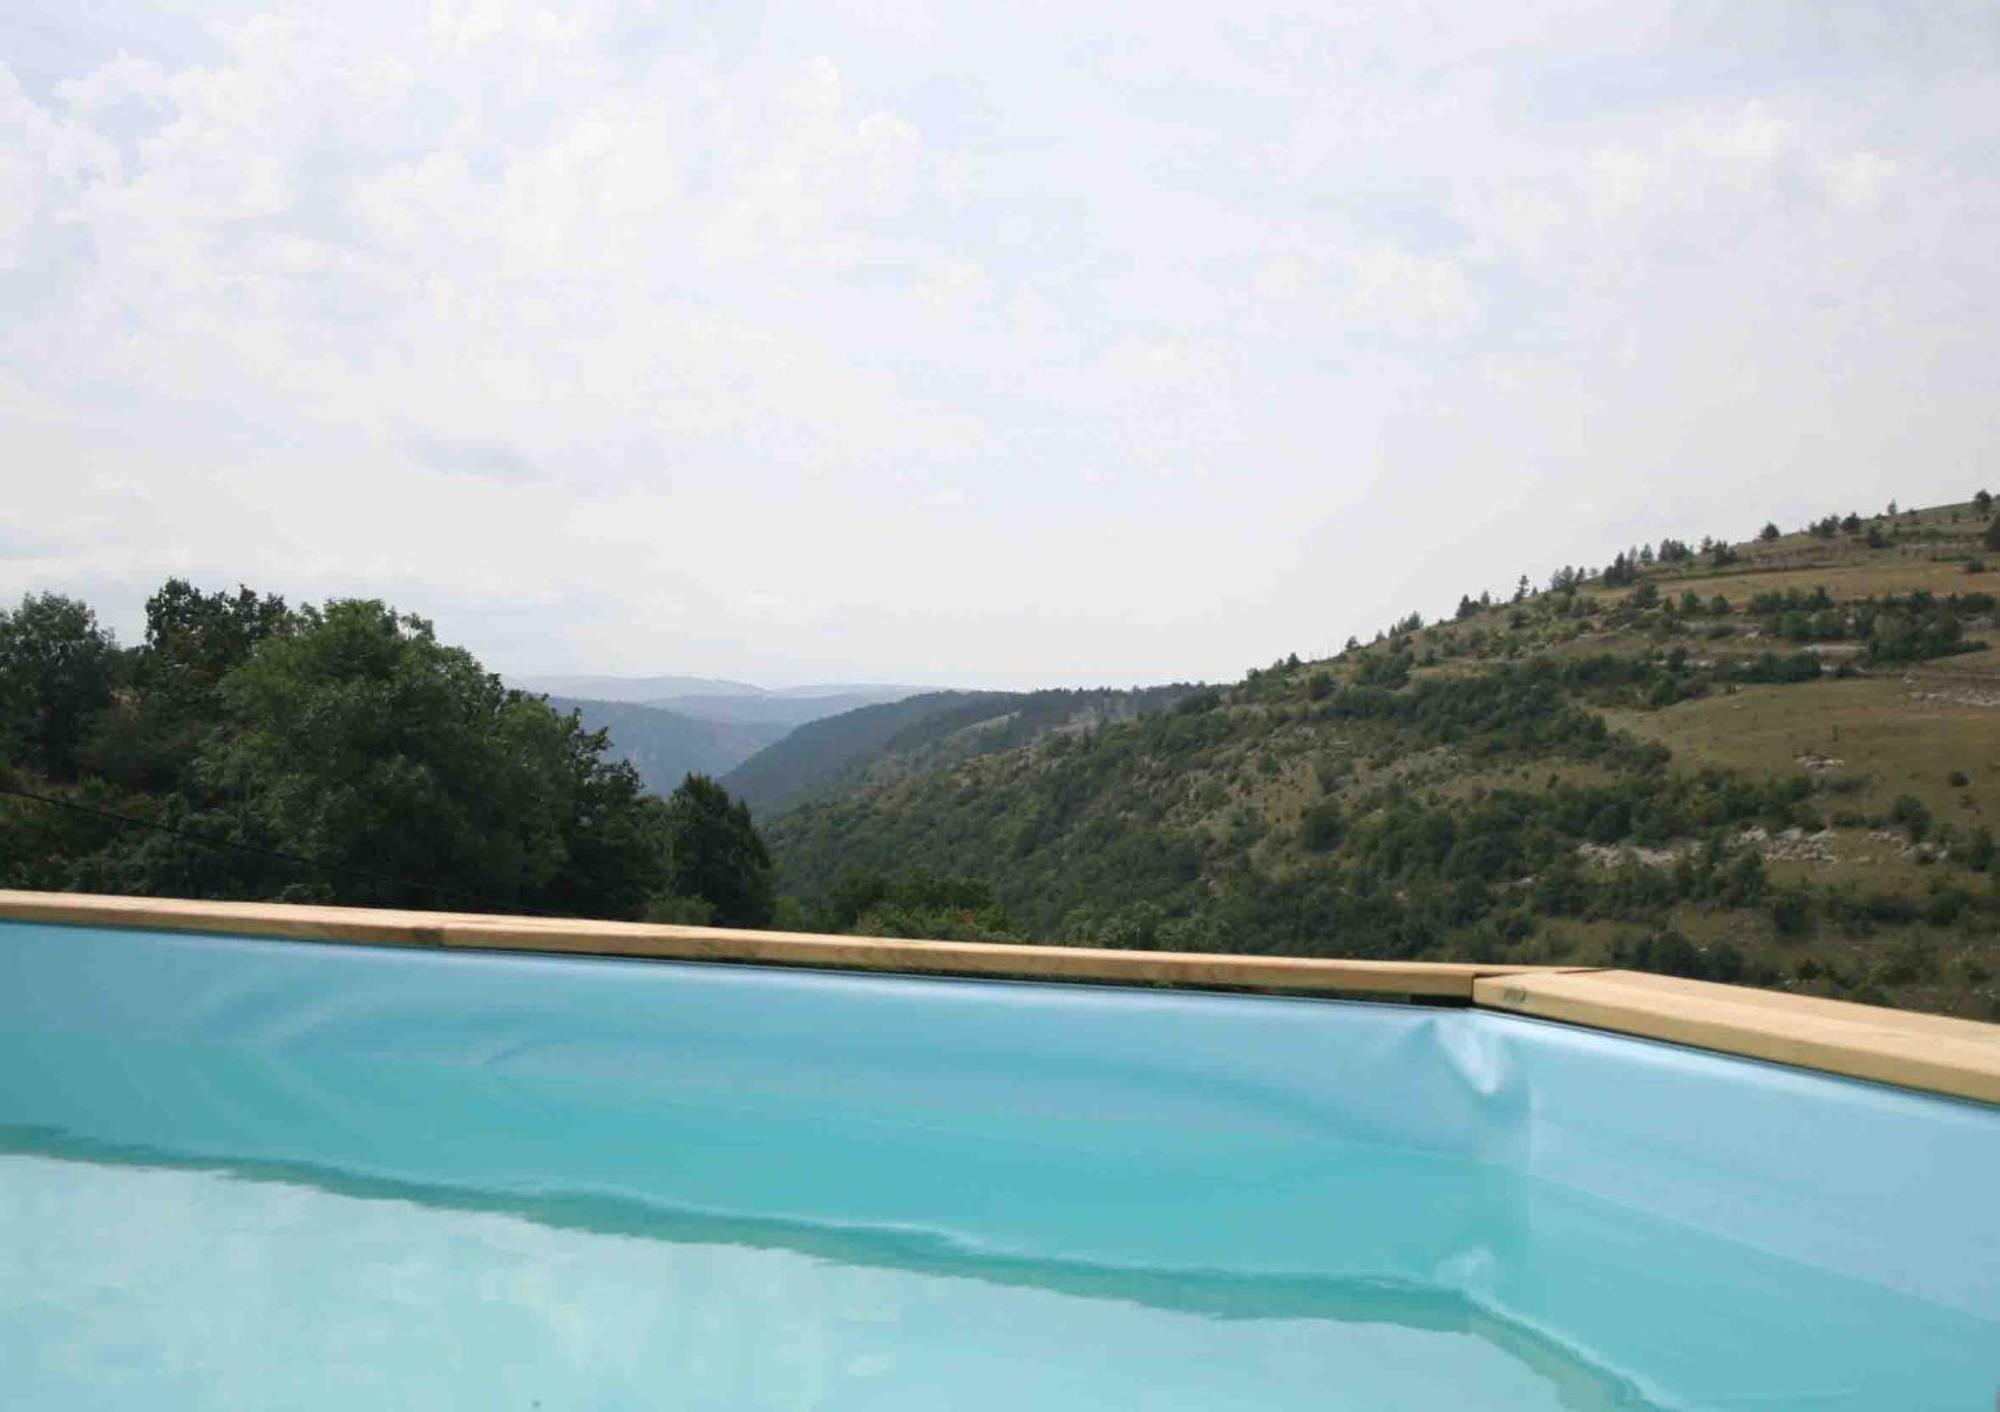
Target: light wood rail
(1932, 1052)
(1440, 980)
(1937, 1054)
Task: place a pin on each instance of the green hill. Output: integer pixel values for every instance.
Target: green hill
(829, 756)
(665, 746)
(782, 709)
(1772, 761)
(879, 744)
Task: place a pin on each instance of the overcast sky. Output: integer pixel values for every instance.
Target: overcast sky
(1014, 344)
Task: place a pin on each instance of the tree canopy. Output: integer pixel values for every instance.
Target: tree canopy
(336, 753)
(714, 854)
(57, 671)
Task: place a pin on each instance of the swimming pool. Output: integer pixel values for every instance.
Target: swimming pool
(258, 1173)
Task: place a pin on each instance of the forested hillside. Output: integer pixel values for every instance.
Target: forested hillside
(879, 744)
(782, 709)
(665, 746)
(1773, 761)
(827, 756)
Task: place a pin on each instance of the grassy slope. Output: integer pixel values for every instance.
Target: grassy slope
(1477, 809)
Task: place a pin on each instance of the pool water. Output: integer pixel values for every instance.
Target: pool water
(263, 1174)
(157, 1288)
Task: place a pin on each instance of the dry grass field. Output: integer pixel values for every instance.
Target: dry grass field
(1877, 736)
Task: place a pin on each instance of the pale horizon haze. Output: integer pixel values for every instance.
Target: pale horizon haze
(966, 344)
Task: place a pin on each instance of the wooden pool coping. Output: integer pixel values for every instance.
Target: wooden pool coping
(1934, 1053)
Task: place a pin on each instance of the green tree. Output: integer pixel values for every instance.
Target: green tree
(1321, 826)
(1792, 913)
(193, 639)
(57, 672)
(417, 779)
(1768, 533)
(715, 854)
(613, 832)
(1910, 812)
(941, 923)
(1992, 537)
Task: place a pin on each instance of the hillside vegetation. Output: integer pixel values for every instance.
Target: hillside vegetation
(827, 757)
(880, 744)
(666, 746)
(1771, 761)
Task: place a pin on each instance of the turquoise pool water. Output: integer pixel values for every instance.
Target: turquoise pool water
(256, 1174)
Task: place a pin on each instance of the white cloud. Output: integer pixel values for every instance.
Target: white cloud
(1412, 294)
(1860, 180)
(610, 336)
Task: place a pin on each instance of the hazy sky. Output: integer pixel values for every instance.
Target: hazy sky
(1002, 344)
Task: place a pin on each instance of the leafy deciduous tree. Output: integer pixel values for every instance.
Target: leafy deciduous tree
(714, 853)
(57, 671)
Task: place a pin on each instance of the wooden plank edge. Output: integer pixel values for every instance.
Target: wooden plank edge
(1865, 1042)
(274, 920)
(1309, 975)
(1431, 980)
(1890, 1047)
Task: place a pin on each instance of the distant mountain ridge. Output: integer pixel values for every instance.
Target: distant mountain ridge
(716, 699)
(651, 691)
(773, 709)
(632, 690)
(666, 746)
(775, 747)
(892, 740)
(825, 756)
